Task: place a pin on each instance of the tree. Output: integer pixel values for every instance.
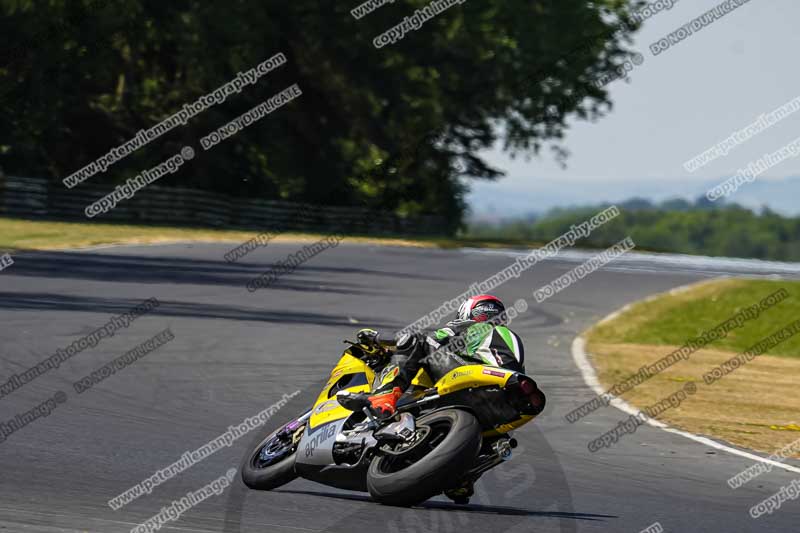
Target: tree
(392, 128)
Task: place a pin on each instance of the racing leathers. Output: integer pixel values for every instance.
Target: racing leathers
(459, 343)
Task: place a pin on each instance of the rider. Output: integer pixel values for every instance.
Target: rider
(483, 342)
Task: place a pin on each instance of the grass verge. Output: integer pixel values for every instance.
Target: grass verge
(756, 406)
(21, 234)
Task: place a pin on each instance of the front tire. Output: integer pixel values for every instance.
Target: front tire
(270, 469)
(448, 446)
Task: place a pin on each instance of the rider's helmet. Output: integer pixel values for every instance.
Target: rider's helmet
(481, 308)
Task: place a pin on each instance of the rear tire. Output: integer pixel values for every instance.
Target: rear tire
(269, 477)
(435, 471)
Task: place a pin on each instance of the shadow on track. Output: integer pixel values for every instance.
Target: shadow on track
(445, 506)
(58, 302)
(175, 270)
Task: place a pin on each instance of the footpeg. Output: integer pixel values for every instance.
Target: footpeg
(402, 430)
(503, 449)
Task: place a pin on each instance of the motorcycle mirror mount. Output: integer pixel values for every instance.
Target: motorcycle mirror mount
(372, 421)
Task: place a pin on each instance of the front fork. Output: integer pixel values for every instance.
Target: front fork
(295, 428)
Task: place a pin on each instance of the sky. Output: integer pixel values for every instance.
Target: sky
(674, 106)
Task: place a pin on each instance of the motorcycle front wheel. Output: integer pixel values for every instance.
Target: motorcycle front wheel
(445, 444)
(271, 463)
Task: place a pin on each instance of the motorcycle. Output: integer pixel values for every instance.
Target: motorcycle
(444, 436)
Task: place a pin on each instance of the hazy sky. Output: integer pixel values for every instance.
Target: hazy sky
(674, 106)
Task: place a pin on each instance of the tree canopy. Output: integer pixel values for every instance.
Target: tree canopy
(394, 128)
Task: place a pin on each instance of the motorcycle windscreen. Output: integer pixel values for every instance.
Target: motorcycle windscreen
(350, 374)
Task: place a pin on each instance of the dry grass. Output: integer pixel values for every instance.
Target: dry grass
(19, 234)
(16, 234)
(756, 406)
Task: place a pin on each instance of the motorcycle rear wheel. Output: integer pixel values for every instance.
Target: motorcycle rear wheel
(445, 445)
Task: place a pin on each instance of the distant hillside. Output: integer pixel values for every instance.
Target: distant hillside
(782, 196)
(495, 201)
(676, 226)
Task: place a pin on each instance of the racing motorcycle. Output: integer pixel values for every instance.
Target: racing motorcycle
(444, 435)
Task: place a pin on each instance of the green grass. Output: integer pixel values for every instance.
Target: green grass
(673, 319)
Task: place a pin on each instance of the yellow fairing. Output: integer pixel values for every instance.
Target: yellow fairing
(328, 409)
(473, 376)
(505, 428)
(422, 380)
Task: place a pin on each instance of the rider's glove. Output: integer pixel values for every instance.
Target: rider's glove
(368, 337)
(410, 343)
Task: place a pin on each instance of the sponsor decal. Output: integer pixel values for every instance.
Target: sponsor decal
(490, 372)
(463, 373)
(326, 406)
(334, 377)
(320, 438)
(481, 312)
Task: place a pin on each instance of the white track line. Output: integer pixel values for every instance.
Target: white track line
(636, 260)
(590, 377)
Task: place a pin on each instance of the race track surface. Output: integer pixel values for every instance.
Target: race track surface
(236, 353)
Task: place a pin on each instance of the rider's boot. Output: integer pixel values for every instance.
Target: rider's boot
(383, 405)
(462, 493)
